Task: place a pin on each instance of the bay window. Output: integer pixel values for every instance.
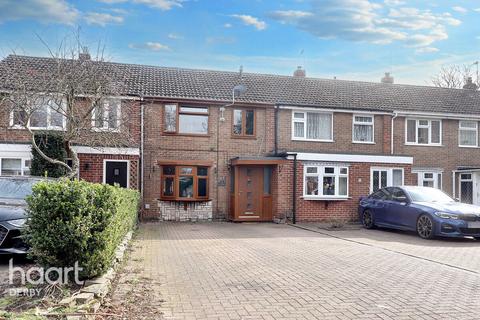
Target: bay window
(423, 131)
(187, 183)
(325, 182)
(363, 129)
(185, 119)
(467, 133)
(106, 115)
(314, 126)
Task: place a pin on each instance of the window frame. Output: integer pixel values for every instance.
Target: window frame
(176, 181)
(389, 171)
(24, 166)
(304, 121)
(460, 128)
(320, 174)
(48, 127)
(429, 127)
(244, 123)
(177, 119)
(437, 178)
(106, 112)
(372, 124)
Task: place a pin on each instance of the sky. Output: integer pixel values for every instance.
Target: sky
(346, 39)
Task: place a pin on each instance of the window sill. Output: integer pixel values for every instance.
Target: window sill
(471, 147)
(312, 140)
(184, 200)
(363, 142)
(37, 128)
(94, 129)
(424, 145)
(173, 134)
(321, 198)
(244, 137)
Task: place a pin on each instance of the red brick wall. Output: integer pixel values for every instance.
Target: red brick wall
(319, 210)
(91, 167)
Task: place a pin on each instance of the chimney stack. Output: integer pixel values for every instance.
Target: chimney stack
(387, 78)
(470, 85)
(300, 73)
(84, 55)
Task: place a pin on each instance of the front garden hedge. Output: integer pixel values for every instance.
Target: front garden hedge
(71, 221)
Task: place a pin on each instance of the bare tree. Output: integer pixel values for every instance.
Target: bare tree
(454, 76)
(70, 93)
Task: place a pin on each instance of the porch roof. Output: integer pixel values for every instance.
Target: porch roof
(256, 161)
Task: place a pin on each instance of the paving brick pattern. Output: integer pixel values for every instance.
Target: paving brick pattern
(268, 271)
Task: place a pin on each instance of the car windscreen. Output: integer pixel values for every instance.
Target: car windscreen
(16, 188)
(428, 195)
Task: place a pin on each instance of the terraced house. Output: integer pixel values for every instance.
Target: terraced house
(258, 147)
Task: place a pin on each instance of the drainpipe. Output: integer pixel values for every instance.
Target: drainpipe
(453, 184)
(294, 198)
(142, 122)
(275, 135)
(391, 132)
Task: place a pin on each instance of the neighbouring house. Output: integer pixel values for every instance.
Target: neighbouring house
(287, 147)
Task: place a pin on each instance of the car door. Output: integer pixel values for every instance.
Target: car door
(377, 205)
(397, 209)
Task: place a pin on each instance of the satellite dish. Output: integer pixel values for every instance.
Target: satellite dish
(238, 90)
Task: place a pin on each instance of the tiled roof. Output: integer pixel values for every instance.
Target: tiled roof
(210, 85)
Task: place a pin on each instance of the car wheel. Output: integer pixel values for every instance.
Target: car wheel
(425, 227)
(367, 220)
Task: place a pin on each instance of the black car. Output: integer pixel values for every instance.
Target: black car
(13, 191)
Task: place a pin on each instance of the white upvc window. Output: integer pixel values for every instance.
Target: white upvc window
(47, 115)
(363, 129)
(106, 116)
(467, 133)
(325, 182)
(423, 132)
(14, 166)
(432, 179)
(312, 126)
(385, 177)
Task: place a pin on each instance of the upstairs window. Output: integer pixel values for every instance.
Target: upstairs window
(326, 182)
(243, 123)
(467, 133)
(313, 126)
(106, 116)
(185, 119)
(423, 132)
(46, 115)
(189, 183)
(363, 129)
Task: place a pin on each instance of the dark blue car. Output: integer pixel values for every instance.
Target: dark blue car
(427, 211)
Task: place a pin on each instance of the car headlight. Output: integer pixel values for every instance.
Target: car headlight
(446, 215)
(17, 222)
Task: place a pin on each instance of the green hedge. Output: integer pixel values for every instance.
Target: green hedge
(71, 221)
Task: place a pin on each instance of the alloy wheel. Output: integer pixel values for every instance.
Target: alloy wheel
(425, 227)
(367, 220)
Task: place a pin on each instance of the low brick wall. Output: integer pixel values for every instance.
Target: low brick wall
(185, 211)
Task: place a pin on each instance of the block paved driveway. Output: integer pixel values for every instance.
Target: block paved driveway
(269, 271)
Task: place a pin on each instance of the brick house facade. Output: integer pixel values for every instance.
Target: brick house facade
(287, 148)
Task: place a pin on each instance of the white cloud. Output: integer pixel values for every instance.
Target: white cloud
(45, 11)
(227, 25)
(426, 50)
(459, 9)
(476, 10)
(251, 21)
(158, 4)
(102, 19)
(174, 36)
(153, 46)
(367, 21)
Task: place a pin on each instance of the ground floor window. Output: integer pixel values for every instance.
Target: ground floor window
(430, 179)
(466, 188)
(14, 167)
(326, 181)
(385, 177)
(184, 182)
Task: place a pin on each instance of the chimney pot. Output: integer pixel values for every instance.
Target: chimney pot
(300, 73)
(470, 85)
(387, 78)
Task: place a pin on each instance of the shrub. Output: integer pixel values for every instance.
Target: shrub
(53, 146)
(73, 221)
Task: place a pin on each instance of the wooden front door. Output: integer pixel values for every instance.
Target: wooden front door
(252, 201)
